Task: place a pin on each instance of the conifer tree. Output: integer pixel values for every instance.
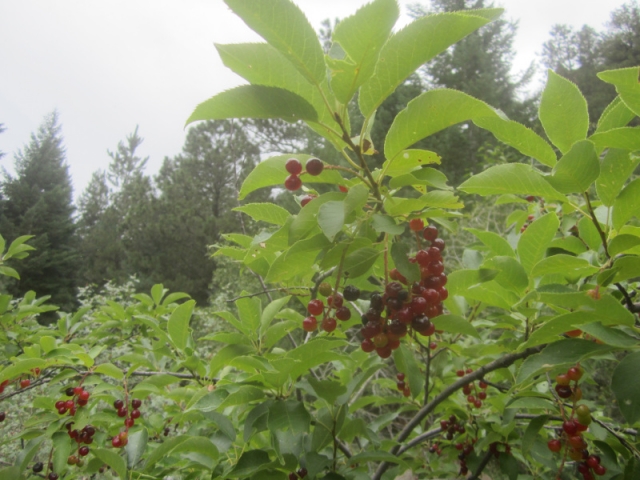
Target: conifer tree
(38, 201)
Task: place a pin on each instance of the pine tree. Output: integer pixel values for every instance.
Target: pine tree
(38, 201)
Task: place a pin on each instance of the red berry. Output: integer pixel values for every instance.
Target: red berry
(343, 189)
(384, 352)
(314, 166)
(53, 476)
(293, 183)
(482, 385)
(563, 391)
(69, 404)
(554, 445)
(293, 166)
(309, 324)
(468, 370)
(460, 373)
(118, 404)
(576, 442)
(84, 451)
(482, 395)
(593, 461)
(302, 472)
(129, 422)
(60, 404)
(400, 386)
(329, 324)
(24, 383)
(77, 390)
(122, 412)
(306, 199)
(84, 395)
(439, 244)
(335, 300)
(599, 470)
(575, 373)
(367, 346)
(430, 233)
(343, 313)
(315, 307)
(82, 403)
(416, 224)
(563, 379)
(293, 476)
(136, 403)
(62, 410)
(569, 427)
(135, 413)
(2, 416)
(400, 376)
(433, 345)
(116, 442)
(530, 198)
(407, 391)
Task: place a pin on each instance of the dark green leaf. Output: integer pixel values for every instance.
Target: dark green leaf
(136, 446)
(359, 262)
(626, 387)
(455, 324)
(111, 458)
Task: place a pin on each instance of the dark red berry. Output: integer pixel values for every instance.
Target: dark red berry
(554, 445)
(530, 198)
(302, 472)
(430, 233)
(293, 183)
(563, 391)
(118, 404)
(293, 476)
(343, 313)
(77, 390)
(84, 451)
(116, 442)
(129, 422)
(367, 346)
(309, 324)
(460, 373)
(314, 166)
(2, 416)
(24, 383)
(329, 324)
(38, 467)
(135, 413)
(569, 427)
(136, 403)
(84, 395)
(351, 293)
(53, 476)
(439, 244)
(315, 307)
(306, 199)
(122, 412)
(293, 166)
(69, 392)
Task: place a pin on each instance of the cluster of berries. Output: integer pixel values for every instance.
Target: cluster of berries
(527, 223)
(83, 436)
(398, 309)
(335, 308)
(314, 166)
(452, 426)
(574, 426)
(475, 395)
(39, 466)
(402, 387)
(129, 417)
(80, 399)
(301, 473)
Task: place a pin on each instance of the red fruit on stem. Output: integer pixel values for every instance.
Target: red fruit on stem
(135, 413)
(309, 324)
(116, 442)
(315, 307)
(329, 324)
(575, 373)
(129, 422)
(314, 166)
(84, 395)
(343, 313)
(122, 412)
(77, 390)
(293, 166)
(554, 445)
(569, 427)
(24, 383)
(306, 199)
(293, 183)
(136, 403)
(416, 224)
(84, 451)
(460, 373)
(599, 470)
(430, 233)
(367, 346)
(118, 404)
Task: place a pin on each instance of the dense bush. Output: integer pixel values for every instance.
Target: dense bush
(358, 356)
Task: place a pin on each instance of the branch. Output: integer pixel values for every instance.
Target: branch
(447, 392)
(481, 467)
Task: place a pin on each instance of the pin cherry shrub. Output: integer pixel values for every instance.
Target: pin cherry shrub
(392, 339)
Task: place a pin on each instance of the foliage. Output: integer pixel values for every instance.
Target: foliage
(276, 395)
(38, 202)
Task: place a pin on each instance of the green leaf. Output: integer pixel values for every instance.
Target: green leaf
(20, 367)
(622, 243)
(616, 168)
(356, 199)
(306, 221)
(563, 112)
(531, 433)
(438, 109)
(27, 453)
(512, 275)
(360, 261)
(331, 218)
(284, 26)
(111, 458)
(375, 456)
(625, 138)
(178, 324)
(626, 387)
(626, 81)
(255, 101)
(406, 363)
(272, 172)
(495, 242)
(536, 238)
(564, 265)
(359, 38)
(9, 272)
(200, 445)
(461, 280)
(161, 451)
(10, 473)
(249, 312)
(557, 354)
(298, 261)
(110, 370)
(409, 160)
(262, 64)
(384, 223)
(577, 169)
(289, 415)
(455, 324)
(420, 178)
(616, 115)
(627, 204)
(515, 178)
(266, 212)
(270, 311)
(400, 255)
(415, 45)
(136, 446)
(250, 462)
(609, 336)
(626, 268)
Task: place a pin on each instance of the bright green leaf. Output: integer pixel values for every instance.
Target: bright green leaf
(577, 169)
(564, 265)
(627, 204)
(111, 458)
(627, 83)
(563, 112)
(616, 168)
(616, 115)
(178, 325)
(536, 238)
(455, 324)
(625, 138)
(266, 212)
(409, 160)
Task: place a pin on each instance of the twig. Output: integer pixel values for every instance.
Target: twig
(481, 467)
(264, 292)
(447, 392)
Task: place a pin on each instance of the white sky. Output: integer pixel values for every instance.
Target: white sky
(107, 66)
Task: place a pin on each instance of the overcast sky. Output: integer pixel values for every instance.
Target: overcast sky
(107, 66)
